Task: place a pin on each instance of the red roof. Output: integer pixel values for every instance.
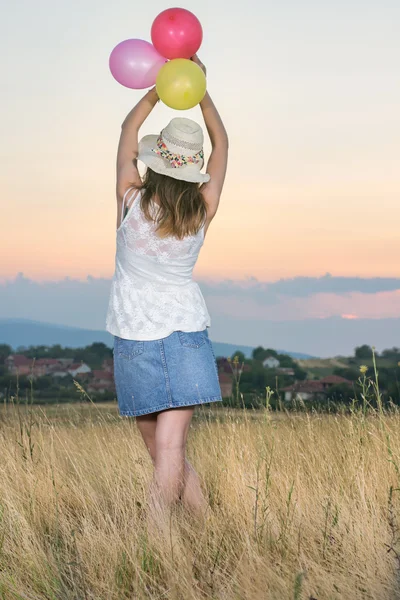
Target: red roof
(334, 379)
(47, 361)
(99, 374)
(19, 360)
(318, 385)
(81, 375)
(74, 366)
(305, 386)
(58, 367)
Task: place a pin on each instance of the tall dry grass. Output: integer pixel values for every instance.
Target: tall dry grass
(300, 506)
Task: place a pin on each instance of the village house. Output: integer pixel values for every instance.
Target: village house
(226, 366)
(271, 362)
(226, 384)
(45, 366)
(98, 388)
(108, 365)
(18, 364)
(331, 380)
(286, 371)
(83, 377)
(101, 376)
(76, 368)
(56, 367)
(73, 369)
(60, 371)
(101, 381)
(65, 361)
(313, 389)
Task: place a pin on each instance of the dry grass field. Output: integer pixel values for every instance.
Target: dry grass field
(301, 506)
(320, 363)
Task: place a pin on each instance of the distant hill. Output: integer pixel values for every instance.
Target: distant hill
(24, 333)
(224, 349)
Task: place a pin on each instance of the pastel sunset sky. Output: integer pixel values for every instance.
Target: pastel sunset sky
(309, 92)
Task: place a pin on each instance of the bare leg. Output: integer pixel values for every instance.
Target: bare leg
(171, 435)
(147, 427)
(191, 494)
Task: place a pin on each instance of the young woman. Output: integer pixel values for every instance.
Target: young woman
(164, 362)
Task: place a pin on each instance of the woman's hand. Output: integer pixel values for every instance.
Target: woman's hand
(196, 59)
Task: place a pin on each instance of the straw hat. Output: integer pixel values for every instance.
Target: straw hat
(176, 152)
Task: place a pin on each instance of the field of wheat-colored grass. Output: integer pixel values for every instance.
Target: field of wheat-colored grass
(301, 506)
(321, 363)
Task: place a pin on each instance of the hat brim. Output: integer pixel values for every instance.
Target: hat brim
(162, 166)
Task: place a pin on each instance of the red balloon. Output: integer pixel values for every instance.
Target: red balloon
(176, 33)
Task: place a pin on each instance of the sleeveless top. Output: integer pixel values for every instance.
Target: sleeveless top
(152, 291)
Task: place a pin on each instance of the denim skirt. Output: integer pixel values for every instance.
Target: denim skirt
(153, 375)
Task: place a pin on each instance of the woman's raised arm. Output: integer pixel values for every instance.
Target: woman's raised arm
(128, 143)
(217, 163)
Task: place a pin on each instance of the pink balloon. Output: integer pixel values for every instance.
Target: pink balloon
(176, 33)
(135, 64)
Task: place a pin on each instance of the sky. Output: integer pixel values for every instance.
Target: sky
(309, 93)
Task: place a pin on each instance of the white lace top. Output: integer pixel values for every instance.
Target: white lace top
(152, 291)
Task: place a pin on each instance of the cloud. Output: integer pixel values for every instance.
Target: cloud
(300, 287)
(83, 303)
(67, 301)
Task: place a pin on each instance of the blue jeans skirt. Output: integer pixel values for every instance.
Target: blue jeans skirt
(153, 375)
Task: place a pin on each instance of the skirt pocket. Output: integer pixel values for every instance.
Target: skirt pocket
(191, 339)
(128, 349)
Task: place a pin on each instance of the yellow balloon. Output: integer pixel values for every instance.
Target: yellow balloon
(181, 84)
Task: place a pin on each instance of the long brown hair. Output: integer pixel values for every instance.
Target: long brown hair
(182, 208)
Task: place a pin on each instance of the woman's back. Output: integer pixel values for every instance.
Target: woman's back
(152, 292)
(138, 235)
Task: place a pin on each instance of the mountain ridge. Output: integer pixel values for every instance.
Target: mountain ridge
(27, 332)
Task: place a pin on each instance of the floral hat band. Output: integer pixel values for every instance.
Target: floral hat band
(177, 151)
(176, 160)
